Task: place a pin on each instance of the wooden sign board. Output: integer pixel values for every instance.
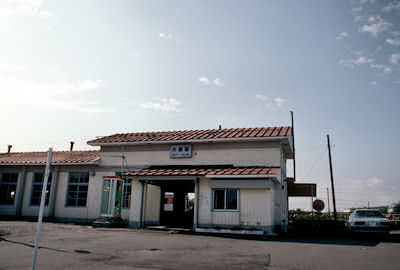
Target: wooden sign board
(302, 190)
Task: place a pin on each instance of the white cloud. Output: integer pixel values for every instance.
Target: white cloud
(359, 18)
(362, 2)
(357, 9)
(12, 68)
(10, 8)
(167, 36)
(394, 58)
(356, 62)
(166, 105)
(50, 94)
(375, 26)
(279, 101)
(395, 33)
(394, 42)
(373, 83)
(273, 104)
(164, 36)
(391, 6)
(374, 181)
(135, 54)
(204, 80)
(44, 13)
(384, 68)
(261, 97)
(30, 6)
(218, 82)
(342, 36)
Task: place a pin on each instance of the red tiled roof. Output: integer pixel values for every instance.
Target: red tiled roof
(204, 170)
(194, 135)
(70, 157)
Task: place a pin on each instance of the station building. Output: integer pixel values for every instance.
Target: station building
(216, 178)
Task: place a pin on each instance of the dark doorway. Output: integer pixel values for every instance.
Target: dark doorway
(177, 203)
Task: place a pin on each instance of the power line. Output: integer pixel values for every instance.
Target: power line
(312, 167)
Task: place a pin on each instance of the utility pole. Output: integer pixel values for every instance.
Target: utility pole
(332, 184)
(294, 156)
(329, 208)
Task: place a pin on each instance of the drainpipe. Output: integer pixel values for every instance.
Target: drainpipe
(21, 190)
(53, 192)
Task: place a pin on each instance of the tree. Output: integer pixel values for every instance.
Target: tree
(396, 208)
(383, 209)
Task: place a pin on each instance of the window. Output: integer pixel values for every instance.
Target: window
(126, 202)
(8, 187)
(77, 189)
(37, 186)
(226, 199)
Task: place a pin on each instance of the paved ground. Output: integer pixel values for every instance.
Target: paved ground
(64, 246)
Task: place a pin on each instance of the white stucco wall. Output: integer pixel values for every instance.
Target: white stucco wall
(27, 209)
(238, 154)
(205, 214)
(92, 209)
(152, 206)
(136, 196)
(256, 207)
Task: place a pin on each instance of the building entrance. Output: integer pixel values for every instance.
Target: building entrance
(177, 203)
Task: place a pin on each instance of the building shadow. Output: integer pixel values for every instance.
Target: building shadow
(32, 246)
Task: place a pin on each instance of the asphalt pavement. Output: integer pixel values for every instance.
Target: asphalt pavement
(67, 246)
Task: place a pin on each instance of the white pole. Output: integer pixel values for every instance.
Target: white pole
(42, 200)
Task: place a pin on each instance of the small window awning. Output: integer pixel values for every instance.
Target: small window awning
(207, 171)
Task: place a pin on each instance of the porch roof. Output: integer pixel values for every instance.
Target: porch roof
(205, 171)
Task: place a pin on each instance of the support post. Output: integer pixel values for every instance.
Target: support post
(42, 200)
(332, 183)
(196, 216)
(53, 192)
(141, 207)
(21, 192)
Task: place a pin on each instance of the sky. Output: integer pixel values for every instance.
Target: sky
(74, 70)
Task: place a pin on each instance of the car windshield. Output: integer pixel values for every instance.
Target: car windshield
(368, 214)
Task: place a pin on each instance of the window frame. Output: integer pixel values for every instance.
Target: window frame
(77, 184)
(126, 196)
(49, 181)
(127, 183)
(224, 209)
(9, 183)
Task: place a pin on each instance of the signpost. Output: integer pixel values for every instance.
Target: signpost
(42, 200)
(318, 205)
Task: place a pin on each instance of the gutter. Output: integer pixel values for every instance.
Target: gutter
(242, 176)
(52, 164)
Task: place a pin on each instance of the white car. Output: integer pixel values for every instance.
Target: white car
(367, 220)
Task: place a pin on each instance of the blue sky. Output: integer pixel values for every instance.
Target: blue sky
(74, 70)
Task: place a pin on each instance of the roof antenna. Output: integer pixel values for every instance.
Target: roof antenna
(9, 149)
